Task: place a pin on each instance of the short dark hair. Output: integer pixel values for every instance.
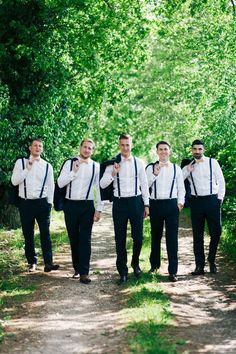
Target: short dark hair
(197, 142)
(124, 136)
(35, 139)
(162, 142)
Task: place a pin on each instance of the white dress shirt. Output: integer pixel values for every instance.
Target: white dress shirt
(164, 182)
(34, 179)
(127, 179)
(201, 178)
(80, 182)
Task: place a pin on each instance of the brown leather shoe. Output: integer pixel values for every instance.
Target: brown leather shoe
(85, 279)
(50, 266)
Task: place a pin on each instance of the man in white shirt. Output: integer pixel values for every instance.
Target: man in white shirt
(81, 176)
(36, 186)
(207, 193)
(130, 203)
(167, 193)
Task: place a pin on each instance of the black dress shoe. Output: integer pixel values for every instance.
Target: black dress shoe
(123, 279)
(213, 268)
(173, 278)
(49, 267)
(137, 271)
(198, 271)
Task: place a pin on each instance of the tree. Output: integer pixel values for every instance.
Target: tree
(59, 61)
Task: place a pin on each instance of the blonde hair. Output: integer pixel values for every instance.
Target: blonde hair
(89, 141)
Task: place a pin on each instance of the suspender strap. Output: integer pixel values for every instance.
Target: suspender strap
(23, 167)
(173, 181)
(44, 181)
(210, 164)
(118, 184)
(194, 187)
(71, 164)
(136, 177)
(155, 183)
(90, 184)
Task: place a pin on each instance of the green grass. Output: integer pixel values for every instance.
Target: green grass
(148, 309)
(14, 286)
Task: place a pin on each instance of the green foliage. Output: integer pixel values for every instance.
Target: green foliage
(60, 61)
(187, 88)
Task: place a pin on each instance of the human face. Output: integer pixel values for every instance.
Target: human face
(36, 148)
(163, 151)
(197, 151)
(125, 147)
(86, 150)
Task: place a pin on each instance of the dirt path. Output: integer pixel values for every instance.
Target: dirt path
(65, 316)
(68, 317)
(204, 307)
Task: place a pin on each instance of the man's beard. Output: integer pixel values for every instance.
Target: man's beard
(197, 156)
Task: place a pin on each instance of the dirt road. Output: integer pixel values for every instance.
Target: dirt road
(65, 316)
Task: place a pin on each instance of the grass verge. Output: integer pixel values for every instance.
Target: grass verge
(15, 287)
(148, 310)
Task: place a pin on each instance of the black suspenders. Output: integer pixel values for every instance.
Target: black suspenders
(44, 181)
(173, 181)
(210, 165)
(136, 180)
(91, 181)
(71, 164)
(90, 184)
(211, 174)
(23, 167)
(172, 184)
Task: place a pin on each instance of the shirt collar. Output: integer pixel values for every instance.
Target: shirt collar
(124, 159)
(88, 161)
(32, 158)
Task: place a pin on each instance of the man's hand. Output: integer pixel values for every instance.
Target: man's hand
(116, 169)
(97, 216)
(157, 169)
(76, 165)
(146, 212)
(190, 167)
(180, 206)
(29, 164)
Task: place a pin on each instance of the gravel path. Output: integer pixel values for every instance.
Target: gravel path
(65, 316)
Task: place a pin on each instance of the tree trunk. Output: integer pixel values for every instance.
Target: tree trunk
(9, 214)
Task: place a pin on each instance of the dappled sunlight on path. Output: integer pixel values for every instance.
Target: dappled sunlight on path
(204, 306)
(66, 316)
